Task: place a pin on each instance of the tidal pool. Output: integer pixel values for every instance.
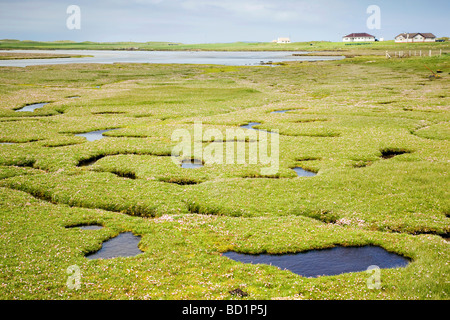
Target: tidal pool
(94, 135)
(124, 245)
(88, 227)
(280, 111)
(304, 173)
(252, 124)
(32, 107)
(191, 164)
(326, 262)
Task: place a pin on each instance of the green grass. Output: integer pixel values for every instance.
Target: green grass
(346, 117)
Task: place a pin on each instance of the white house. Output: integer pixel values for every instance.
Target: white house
(415, 37)
(282, 40)
(358, 37)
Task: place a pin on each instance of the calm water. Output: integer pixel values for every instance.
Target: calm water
(191, 164)
(32, 107)
(124, 245)
(304, 173)
(88, 227)
(194, 57)
(94, 135)
(327, 262)
(280, 111)
(252, 124)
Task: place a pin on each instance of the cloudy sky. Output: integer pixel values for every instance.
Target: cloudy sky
(209, 21)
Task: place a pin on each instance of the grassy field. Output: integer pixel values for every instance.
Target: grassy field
(346, 118)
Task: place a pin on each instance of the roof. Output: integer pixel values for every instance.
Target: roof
(359, 35)
(412, 35)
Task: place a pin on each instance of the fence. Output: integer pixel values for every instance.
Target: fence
(413, 53)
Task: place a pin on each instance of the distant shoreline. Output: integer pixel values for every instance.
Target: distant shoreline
(311, 46)
(22, 55)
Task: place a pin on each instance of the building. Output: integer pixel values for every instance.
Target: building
(358, 37)
(282, 40)
(415, 37)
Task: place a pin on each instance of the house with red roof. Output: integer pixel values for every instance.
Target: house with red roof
(358, 37)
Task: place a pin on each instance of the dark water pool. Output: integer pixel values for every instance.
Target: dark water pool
(303, 173)
(191, 164)
(326, 262)
(94, 135)
(89, 161)
(124, 245)
(32, 107)
(388, 154)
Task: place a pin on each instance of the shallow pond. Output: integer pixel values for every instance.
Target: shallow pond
(94, 135)
(280, 111)
(326, 262)
(304, 173)
(252, 124)
(191, 164)
(32, 107)
(124, 245)
(88, 227)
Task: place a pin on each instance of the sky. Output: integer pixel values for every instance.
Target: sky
(202, 21)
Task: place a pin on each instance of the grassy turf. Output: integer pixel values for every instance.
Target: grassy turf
(375, 130)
